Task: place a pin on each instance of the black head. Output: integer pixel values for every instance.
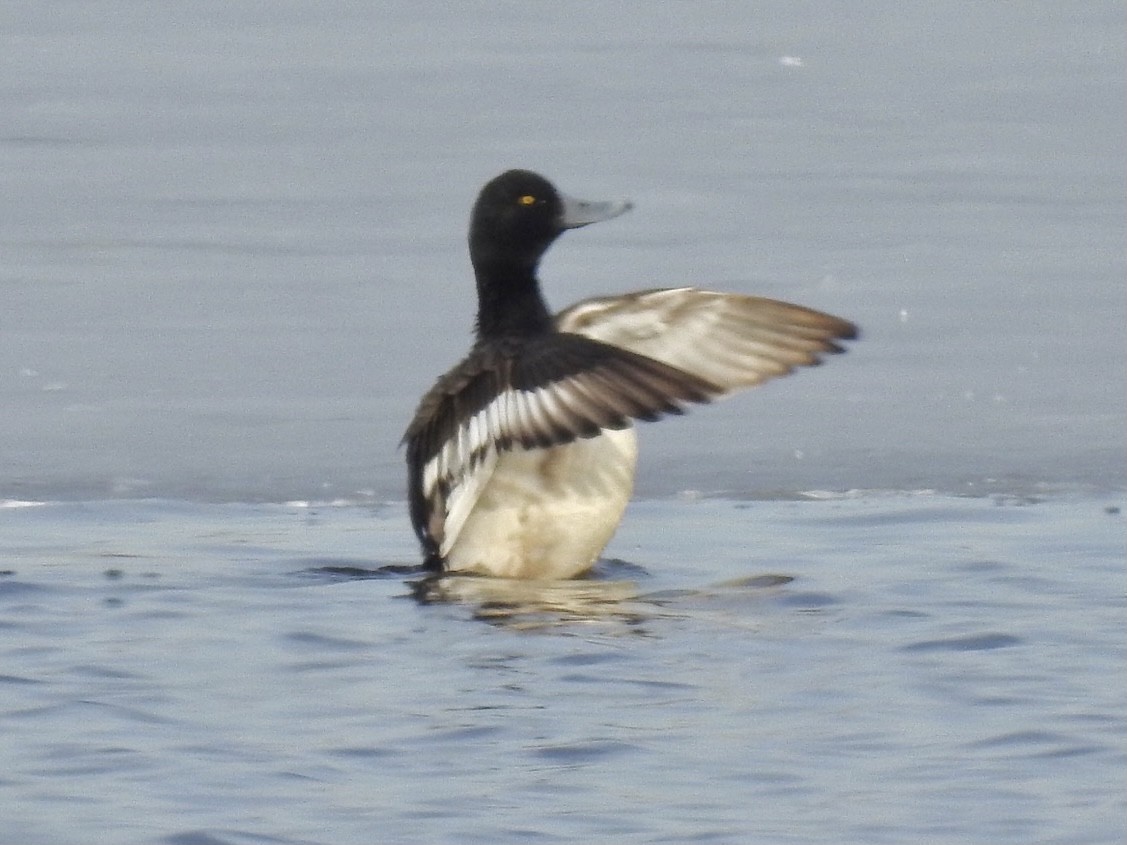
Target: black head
(519, 213)
(515, 219)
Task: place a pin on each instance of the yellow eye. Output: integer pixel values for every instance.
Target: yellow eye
(527, 199)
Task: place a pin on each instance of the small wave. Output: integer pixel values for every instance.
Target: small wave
(863, 493)
(327, 503)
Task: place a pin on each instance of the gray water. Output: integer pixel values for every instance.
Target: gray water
(873, 669)
(234, 256)
(879, 601)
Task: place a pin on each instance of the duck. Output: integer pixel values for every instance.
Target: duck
(521, 458)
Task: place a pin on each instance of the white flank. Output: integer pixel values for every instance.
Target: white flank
(542, 513)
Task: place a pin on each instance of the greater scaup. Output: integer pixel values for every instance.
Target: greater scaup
(521, 458)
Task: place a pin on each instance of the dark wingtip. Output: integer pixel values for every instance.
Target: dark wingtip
(843, 330)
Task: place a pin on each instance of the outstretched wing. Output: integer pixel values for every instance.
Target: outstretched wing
(525, 393)
(727, 339)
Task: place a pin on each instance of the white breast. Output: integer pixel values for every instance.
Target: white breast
(548, 513)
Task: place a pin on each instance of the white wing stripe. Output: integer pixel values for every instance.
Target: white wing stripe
(519, 415)
(558, 410)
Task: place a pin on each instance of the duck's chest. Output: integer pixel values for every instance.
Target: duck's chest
(548, 513)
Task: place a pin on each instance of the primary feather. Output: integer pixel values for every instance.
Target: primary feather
(728, 339)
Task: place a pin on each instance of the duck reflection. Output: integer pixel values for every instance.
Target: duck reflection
(534, 604)
(614, 595)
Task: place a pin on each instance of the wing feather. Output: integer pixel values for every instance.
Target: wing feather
(728, 339)
(529, 393)
(613, 360)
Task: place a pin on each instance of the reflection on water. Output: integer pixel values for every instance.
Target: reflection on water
(614, 594)
(530, 605)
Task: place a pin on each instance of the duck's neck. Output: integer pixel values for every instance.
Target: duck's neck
(509, 302)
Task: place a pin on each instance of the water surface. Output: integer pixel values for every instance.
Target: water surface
(234, 255)
(233, 258)
(881, 668)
